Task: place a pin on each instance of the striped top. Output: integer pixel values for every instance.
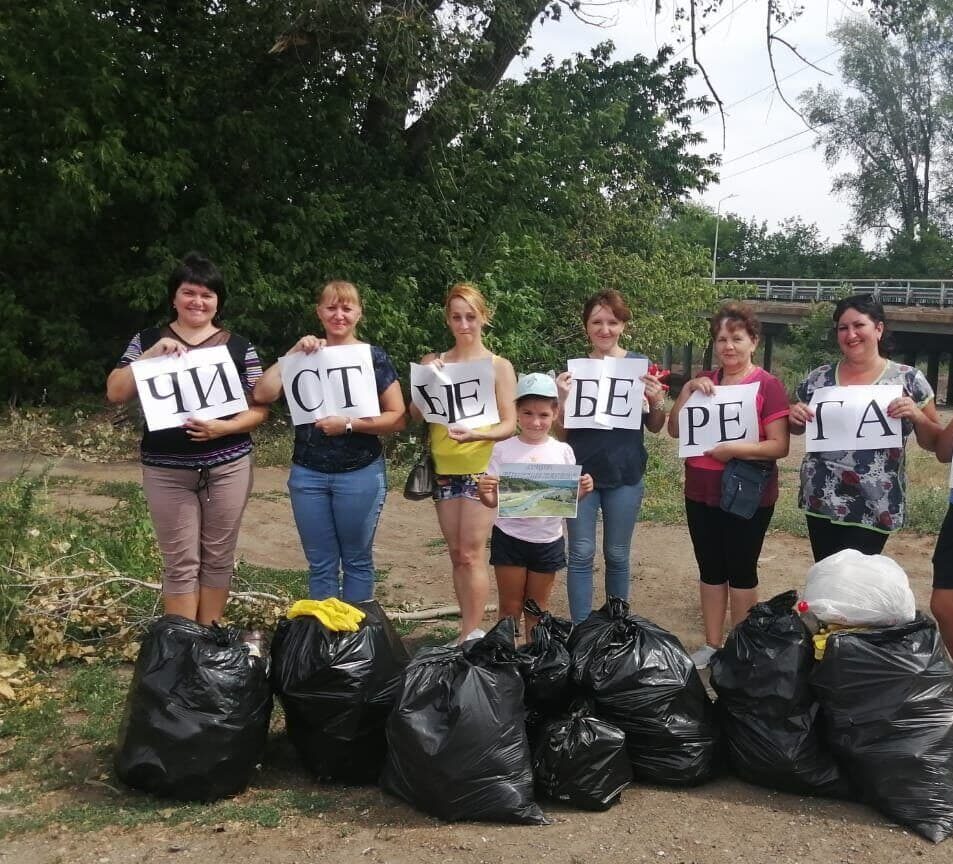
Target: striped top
(172, 448)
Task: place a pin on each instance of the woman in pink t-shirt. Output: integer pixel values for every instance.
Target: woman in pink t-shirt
(727, 547)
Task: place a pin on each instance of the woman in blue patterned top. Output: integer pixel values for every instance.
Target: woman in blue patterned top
(196, 478)
(854, 499)
(337, 481)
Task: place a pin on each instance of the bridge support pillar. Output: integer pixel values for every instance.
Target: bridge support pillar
(949, 383)
(910, 358)
(706, 360)
(768, 350)
(933, 369)
(687, 360)
(667, 357)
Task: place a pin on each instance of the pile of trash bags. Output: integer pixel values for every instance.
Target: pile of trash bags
(862, 709)
(854, 700)
(641, 679)
(574, 715)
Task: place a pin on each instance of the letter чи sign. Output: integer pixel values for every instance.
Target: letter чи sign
(853, 417)
(333, 382)
(458, 394)
(203, 383)
(730, 414)
(606, 393)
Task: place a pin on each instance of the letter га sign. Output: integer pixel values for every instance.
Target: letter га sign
(203, 383)
(333, 382)
(853, 418)
(458, 394)
(730, 414)
(606, 393)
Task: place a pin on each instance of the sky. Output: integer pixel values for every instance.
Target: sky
(769, 178)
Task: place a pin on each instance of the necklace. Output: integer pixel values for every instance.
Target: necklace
(737, 376)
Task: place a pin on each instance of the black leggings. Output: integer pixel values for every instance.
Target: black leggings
(828, 537)
(727, 547)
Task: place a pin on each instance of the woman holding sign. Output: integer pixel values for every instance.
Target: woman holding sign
(727, 546)
(615, 457)
(461, 454)
(338, 481)
(196, 477)
(854, 498)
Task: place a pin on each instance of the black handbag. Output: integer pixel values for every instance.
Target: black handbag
(742, 484)
(420, 480)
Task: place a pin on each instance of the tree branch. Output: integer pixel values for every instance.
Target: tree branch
(701, 68)
(503, 36)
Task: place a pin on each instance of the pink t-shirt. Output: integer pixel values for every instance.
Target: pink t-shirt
(550, 452)
(703, 474)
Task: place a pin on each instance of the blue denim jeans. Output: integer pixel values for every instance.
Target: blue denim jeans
(336, 516)
(620, 512)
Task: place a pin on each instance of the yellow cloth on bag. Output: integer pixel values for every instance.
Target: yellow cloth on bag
(334, 614)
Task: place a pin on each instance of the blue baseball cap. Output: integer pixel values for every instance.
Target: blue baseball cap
(536, 384)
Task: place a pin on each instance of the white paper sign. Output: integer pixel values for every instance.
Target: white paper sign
(730, 414)
(203, 383)
(853, 418)
(605, 394)
(535, 490)
(458, 394)
(334, 382)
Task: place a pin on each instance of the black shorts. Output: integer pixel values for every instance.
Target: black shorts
(727, 547)
(943, 554)
(507, 551)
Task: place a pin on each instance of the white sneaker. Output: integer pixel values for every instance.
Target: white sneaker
(703, 655)
(472, 635)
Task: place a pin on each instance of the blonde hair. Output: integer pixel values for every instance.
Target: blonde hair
(339, 291)
(469, 294)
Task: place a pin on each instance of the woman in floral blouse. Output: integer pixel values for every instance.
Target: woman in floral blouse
(854, 499)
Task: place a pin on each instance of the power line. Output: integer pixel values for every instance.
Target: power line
(767, 146)
(763, 164)
(712, 115)
(771, 144)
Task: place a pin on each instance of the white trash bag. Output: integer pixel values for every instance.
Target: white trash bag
(859, 590)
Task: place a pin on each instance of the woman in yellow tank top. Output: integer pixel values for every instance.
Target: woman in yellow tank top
(461, 455)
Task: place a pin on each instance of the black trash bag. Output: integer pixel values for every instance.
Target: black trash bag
(197, 713)
(769, 715)
(643, 681)
(581, 760)
(887, 697)
(337, 690)
(546, 671)
(457, 745)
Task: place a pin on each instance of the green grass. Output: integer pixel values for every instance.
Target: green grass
(664, 503)
(56, 767)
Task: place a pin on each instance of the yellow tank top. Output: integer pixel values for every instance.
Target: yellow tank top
(454, 457)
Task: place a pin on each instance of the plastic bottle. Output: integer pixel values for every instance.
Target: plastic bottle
(811, 621)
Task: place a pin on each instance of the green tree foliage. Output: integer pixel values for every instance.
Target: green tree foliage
(797, 250)
(295, 142)
(897, 127)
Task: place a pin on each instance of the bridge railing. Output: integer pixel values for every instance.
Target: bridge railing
(894, 292)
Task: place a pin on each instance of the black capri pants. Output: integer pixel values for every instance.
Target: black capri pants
(727, 547)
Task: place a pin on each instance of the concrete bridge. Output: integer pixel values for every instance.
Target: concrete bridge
(919, 316)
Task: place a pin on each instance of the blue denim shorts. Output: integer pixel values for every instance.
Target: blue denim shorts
(446, 487)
